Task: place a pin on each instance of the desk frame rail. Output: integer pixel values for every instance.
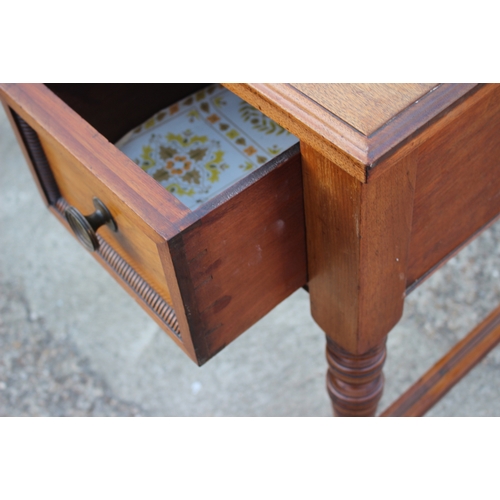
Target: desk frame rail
(449, 370)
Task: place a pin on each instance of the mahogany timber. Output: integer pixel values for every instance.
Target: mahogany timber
(56, 122)
(357, 246)
(365, 106)
(434, 149)
(466, 354)
(244, 255)
(78, 185)
(133, 283)
(222, 266)
(446, 141)
(458, 182)
(433, 132)
(338, 141)
(131, 191)
(78, 180)
(354, 382)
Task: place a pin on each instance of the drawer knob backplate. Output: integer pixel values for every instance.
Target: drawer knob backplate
(85, 226)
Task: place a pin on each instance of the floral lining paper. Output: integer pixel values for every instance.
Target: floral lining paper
(201, 145)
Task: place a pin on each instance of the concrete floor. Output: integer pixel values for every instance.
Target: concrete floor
(65, 353)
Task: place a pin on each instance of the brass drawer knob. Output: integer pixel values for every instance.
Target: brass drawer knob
(85, 226)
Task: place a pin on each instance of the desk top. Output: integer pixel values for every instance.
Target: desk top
(354, 125)
(365, 106)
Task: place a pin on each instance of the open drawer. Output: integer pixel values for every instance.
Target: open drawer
(204, 274)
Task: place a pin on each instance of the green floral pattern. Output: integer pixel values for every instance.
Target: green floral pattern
(201, 145)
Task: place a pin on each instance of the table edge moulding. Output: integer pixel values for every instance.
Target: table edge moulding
(336, 137)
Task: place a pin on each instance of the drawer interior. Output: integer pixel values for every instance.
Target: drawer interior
(195, 146)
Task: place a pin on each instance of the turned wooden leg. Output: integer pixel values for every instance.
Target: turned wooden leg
(354, 382)
(358, 238)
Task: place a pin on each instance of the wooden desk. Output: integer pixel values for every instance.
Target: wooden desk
(397, 178)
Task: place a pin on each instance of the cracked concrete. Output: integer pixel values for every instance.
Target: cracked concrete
(72, 342)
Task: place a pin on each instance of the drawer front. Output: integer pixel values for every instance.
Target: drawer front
(78, 185)
(63, 180)
(220, 268)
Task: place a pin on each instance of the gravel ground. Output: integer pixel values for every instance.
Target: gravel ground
(64, 353)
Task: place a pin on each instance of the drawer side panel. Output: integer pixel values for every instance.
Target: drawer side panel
(243, 258)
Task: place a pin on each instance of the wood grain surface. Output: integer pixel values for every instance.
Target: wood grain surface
(222, 266)
(354, 382)
(136, 287)
(357, 245)
(395, 178)
(159, 211)
(365, 106)
(338, 141)
(244, 255)
(458, 182)
(78, 185)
